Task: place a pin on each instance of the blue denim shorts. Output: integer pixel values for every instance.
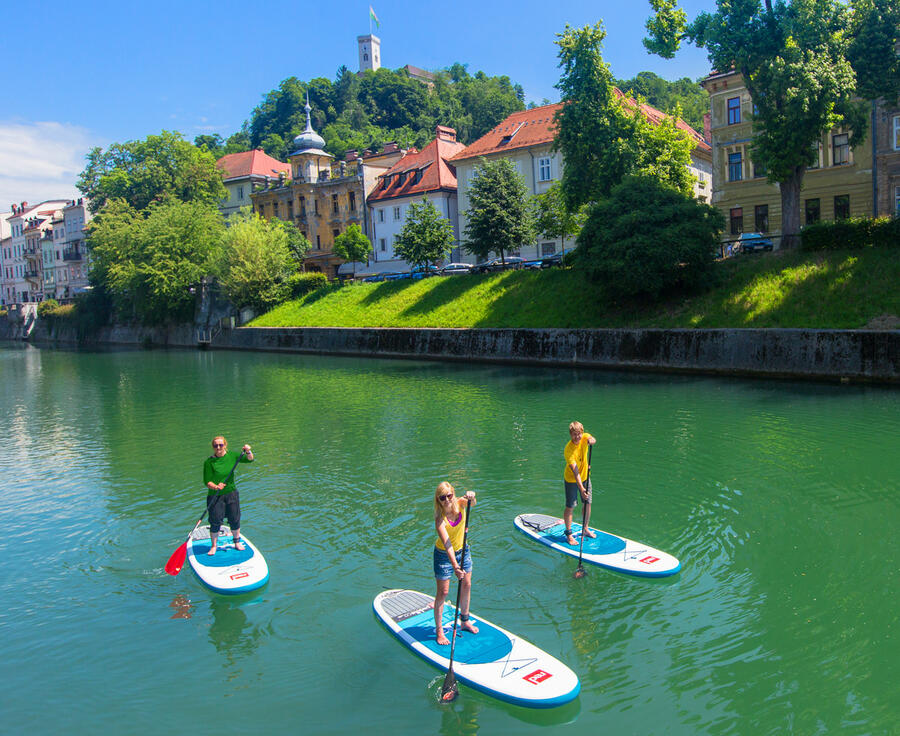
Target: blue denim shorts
(443, 568)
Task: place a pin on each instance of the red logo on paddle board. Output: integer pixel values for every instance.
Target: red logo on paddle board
(537, 677)
(649, 560)
(239, 575)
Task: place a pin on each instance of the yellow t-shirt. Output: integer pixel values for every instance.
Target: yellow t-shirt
(454, 532)
(576, 454)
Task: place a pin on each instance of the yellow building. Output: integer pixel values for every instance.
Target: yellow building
(322, 197)
(839, 184)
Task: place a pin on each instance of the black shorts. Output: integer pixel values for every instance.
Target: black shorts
(221, 506)
(573, 494)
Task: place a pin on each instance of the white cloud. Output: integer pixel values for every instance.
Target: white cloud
(41, 160)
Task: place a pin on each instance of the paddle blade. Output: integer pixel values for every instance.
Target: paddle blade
(450, 689)
(176, 561)
(580, 573)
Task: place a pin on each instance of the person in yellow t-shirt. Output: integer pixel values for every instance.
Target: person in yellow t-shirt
(450, 558)
(574, 477)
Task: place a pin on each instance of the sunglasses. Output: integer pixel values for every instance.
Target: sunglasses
(218, 444)
(445, 497)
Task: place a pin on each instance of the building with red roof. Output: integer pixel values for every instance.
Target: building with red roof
(425, 174)
(526, 139)
(242, 171)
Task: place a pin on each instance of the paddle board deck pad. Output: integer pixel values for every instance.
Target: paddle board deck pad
(494, 661)
(607, 550)
(230, 570)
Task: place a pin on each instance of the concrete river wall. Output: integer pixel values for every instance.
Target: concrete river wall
(857, 355)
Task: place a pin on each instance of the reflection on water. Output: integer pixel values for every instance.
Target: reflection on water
(779, 499)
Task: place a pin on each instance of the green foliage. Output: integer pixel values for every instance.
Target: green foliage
(368, 110)
(602, 139)
(552, 219)
(47, 306)
(301, 284)
(500, 216)
(683, 93)
(147, 261)
(426, 237)
(352, 245)
(146, 171)
(255, 262)
(648, 239)
(854, 232)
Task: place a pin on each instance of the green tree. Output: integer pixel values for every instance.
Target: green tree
(805, 64)
(552, 219)
(602, 138)
(667, 96)
(426, 237)
(144, 171)
(212, 143)
(353, 246)
(255, 261)
(647, 239)
(500, 216)
(147, 261)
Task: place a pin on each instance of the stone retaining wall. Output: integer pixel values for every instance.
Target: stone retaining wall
(859, 355)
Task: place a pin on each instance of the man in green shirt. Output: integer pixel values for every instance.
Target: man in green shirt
(222, 499)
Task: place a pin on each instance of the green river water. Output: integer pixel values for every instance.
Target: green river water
(780, 499)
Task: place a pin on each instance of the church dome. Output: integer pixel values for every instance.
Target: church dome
(308, 140)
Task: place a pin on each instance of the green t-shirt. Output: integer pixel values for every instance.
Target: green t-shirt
(216, 470)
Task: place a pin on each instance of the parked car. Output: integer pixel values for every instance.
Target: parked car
(496, 264)
(452, 269)
(420, 273)
(753, 242)
(397, 276)
(553, 261)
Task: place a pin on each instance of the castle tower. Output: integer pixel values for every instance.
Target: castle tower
(369, 52)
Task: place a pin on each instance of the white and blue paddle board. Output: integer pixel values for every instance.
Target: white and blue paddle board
(494, 661)
(230, 570)
(607, 550)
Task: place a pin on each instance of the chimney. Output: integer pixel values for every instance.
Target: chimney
(391, 147)
(445, 133)
(707, 127)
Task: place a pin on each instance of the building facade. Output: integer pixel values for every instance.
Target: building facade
(843, 181)
(241, 172)
(322, 198)
(425, 174)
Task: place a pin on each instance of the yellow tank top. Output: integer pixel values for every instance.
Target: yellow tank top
(454, 532)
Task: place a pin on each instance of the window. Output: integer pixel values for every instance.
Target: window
(316, 206)
(737, 220)
(544, 169)
(734, 110)
(840, 149)
(761, 218)
(897, 201)
(365, 57)
(817, 156)
(381, 215)
(352, 201)
(334, 203)
(548, 249)
(318, 243)
(382, 244)
(418, 176)
(897, 132)
(240, 192)
(842, 207)
(274, 209)
(335, 233)
(302, 205)
(759, 169)
(813, 211)
(734, 166)
(396, 213)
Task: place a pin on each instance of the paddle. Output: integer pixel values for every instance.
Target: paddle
(450, 689)
(579, 572)
(176, 561)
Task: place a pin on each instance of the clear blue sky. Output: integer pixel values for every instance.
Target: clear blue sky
(94, 72)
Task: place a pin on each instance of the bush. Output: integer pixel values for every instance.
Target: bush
(300, 284)
(46, 307)
(647, 239)
(854, 232)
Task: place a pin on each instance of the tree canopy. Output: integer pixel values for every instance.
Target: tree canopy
(426, 237)
(144, 171)
(500, 216)
(602, 138)
(684, 94)
(552, 219)
(806, 64)
(352, 245)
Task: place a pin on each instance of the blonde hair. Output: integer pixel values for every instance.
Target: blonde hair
(444, 487)
(220, 437)
(576, 427)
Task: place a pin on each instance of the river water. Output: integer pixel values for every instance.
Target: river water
(780, 499)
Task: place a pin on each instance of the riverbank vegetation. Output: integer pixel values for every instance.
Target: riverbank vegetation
(842, 289)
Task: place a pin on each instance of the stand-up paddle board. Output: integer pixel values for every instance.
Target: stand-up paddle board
(607, 550)
(229, 570)
(493, 660)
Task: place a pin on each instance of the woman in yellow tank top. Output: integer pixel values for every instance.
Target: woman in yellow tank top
(449, 558)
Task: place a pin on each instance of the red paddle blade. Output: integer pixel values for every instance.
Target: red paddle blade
(176, 561)
(450, 689)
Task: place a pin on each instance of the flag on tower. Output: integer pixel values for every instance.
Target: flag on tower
(374, 17)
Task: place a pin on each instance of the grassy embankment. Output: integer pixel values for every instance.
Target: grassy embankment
(837, 289)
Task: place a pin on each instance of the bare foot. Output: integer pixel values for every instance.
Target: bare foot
(589, 534)
(570, 540)
(239, 545)
(469, 626)
(212, 551)
(442, 640)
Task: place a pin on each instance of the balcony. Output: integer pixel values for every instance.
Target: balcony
(29, 251)
(72, 255)
(32, 275)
